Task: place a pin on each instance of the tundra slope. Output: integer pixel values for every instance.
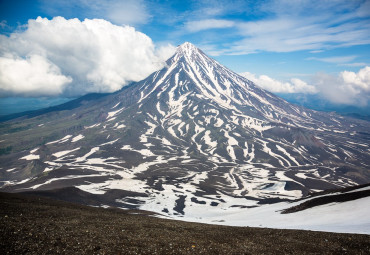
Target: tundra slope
(191, 136)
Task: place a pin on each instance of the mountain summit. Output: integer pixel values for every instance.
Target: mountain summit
(187, 49)
(191, 136)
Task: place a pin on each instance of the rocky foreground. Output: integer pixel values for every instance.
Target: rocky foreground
(35, 225)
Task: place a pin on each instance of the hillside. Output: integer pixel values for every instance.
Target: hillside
(197, 141)
(35, 225)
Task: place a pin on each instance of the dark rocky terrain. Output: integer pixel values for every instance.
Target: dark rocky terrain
(35, 225)
(331, 196)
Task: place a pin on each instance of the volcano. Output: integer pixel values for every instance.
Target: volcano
(192, 136)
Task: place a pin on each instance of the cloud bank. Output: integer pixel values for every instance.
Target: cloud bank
(31, 75)
(294, 86)
(347, 88)
(73, 57)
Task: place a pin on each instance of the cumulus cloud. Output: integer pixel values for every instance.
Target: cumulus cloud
(294, 86)
(347, 87)
(92, 56)
(31, 76)
(360, 79)
(199, 25)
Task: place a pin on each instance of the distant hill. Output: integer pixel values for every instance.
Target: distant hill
(316, 102)
(65, 106)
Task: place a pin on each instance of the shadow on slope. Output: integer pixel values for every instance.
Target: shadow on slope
(75, 195)
(331, 196)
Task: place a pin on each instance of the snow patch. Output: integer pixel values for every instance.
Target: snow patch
(31, 157)
(77, 138)
(62, 140)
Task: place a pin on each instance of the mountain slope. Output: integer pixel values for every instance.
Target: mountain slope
(189, 137)
(34, 225)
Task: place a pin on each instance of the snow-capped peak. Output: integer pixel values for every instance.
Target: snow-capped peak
(192, 136)
(187, 49)
(187, 46)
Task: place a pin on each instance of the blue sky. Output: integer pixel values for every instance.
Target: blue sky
(306, 47)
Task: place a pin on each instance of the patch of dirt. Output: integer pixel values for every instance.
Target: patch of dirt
(35, 225)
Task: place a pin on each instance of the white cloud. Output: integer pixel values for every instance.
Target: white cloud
(34, 75)
(294, 86)
(364, 9)
(360, 80)
(304, 25)
(287, 35)
(348, 88)
(164, 52)
(128, 12)
(356, 64)
(3, 24)
(97, 55)
(213, 8)
(335, 60)
(199, 25)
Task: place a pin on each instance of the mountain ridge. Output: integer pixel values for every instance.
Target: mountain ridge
(192, 136)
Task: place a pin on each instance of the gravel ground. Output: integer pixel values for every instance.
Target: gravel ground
(34, 225)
